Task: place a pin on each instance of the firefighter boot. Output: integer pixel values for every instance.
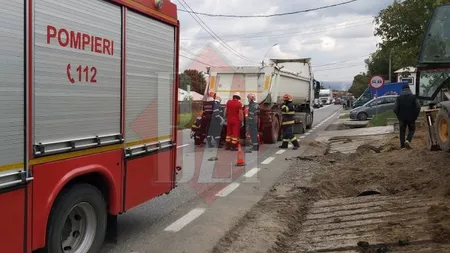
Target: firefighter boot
(296, 144)
(284, 145)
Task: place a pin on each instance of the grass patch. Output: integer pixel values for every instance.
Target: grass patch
(381, 119)
(185, 120)
(345, 116)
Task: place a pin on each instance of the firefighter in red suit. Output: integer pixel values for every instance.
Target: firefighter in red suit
(234, 115)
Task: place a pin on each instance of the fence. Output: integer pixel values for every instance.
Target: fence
(189, 107)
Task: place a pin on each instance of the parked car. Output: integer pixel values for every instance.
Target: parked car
(376, 105)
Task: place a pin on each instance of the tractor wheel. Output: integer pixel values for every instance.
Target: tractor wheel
(271, 133)
(442, 128)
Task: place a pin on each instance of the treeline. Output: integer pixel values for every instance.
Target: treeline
(401, 27)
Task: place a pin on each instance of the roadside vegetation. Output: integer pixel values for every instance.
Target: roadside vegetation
(185, 120)
(382, 119)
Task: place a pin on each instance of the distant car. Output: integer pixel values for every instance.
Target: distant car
(376, 105)
(337, 101)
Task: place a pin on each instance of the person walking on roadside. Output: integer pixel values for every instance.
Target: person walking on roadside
(407, 109)
(252, 121)
(234, 116)
(287, 123)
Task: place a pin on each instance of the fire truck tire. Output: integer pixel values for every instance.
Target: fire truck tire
(78, 221)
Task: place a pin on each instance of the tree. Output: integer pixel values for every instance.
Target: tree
(197, 80)
(359, 84)
(185, 81)
(402, 26)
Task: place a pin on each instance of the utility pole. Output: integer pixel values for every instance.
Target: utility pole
(390, 65)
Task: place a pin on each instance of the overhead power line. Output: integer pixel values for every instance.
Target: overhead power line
(287, 35)
(212, 33)
(339, 62)
(342, 67)
(270, 15)
(269, 32)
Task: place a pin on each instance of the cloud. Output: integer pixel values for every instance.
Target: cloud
(337, 39)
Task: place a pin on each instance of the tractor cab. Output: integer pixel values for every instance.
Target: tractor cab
(433, 76)
(434, 60)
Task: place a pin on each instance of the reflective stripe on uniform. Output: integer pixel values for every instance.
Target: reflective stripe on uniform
(288, 122)
(288, 113)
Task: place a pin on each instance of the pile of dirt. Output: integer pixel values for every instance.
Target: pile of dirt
(274, 224)
(399, 171)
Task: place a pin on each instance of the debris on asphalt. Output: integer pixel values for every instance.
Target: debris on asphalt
(374, 198)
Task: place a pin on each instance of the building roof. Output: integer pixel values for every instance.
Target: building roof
(407, 69)
(182, 94)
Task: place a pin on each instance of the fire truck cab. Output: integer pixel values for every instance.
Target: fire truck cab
(88, 109)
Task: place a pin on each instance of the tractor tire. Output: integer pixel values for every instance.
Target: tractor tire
(78, 221)
(271, 134)
(442, 127)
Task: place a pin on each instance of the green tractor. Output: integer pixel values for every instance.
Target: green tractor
(433, 78)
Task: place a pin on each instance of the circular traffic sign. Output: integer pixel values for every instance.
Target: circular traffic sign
(376, 82)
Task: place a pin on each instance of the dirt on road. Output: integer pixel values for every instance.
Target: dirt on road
(314, 206)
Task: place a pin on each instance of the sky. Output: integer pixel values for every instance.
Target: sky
(337, 39)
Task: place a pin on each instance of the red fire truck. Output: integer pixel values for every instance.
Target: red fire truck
(88, 105)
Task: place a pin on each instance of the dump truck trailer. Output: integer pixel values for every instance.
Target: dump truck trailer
(269, 84)
(88, 105)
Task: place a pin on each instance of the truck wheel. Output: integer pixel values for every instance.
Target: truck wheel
(309, 126)
(299, 128)
(77, 221)
(271, 133)
(442, 128)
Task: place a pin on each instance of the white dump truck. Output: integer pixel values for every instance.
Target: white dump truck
(269, 84)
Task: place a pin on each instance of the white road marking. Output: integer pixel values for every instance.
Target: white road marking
(182, 146)
(268, 160)
(325, 106)
(252, 172)
(227, 190)
(302, 137)
(183, 221)
(307, 133)
(279, 152)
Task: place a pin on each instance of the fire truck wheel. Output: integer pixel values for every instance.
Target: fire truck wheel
(78, 221)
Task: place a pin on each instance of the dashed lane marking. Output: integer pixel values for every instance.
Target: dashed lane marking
(185, 220)
(279, 152)
(182, 146)
(268, 160)
(252, 172)
(227, 190)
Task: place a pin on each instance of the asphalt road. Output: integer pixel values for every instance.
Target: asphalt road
(202, 186)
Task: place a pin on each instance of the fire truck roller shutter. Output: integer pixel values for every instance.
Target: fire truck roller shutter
(77, 68)
(12, 138)
(150, 79)
(150, 48)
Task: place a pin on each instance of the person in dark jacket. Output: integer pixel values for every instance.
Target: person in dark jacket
(407, 109)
